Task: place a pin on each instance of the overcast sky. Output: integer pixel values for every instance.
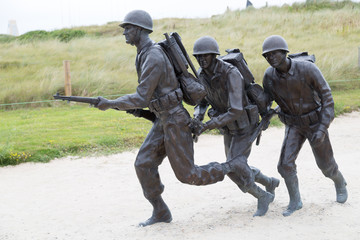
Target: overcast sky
(56, 14)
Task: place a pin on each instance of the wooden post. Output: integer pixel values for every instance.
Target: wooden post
(359, 57)
(67, 78)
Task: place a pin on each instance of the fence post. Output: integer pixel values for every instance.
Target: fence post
(67, 78)
(359, 57)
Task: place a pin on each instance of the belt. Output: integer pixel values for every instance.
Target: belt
(301, 120)
(166, 102)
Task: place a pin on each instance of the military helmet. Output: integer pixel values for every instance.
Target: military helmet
(274, 42)
(206, 45)
(138, 18)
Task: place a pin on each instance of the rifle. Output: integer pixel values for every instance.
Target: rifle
(94, 101)
(264, 123)
(193, 90)
(183, 50)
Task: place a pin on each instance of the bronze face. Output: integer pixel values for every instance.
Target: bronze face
(275, 58)
(205, 60)
(132, 34)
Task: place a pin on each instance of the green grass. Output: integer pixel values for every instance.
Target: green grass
(101, 64)
(41, 134)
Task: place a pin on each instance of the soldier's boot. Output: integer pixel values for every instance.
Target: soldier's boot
(295, 203)
(161, 212)
(264, 199)
(270, 183)
(340, 186)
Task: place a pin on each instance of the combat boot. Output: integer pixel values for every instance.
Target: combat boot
(264, 199)
(295, 203)
(269, 183)
(340, 186)
(161, 212)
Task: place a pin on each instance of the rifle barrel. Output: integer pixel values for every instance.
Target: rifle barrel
(89, 100)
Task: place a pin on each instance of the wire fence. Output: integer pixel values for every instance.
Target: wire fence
(119, 95)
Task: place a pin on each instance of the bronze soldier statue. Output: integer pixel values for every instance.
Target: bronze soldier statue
(170, 135)
(307, 109)
(231, 113)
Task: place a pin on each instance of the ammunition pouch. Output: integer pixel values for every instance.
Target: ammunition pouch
(248, 117)
(303, 120)
(166, 102)
(253, 114)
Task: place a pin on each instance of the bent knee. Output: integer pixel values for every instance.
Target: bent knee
(189, 178)
(139, 163)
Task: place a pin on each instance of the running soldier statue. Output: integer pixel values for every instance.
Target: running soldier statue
(170, 135)
(231, 113)
(307, 109)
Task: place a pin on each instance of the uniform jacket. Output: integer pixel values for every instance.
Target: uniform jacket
(225, 94)
(156, 78)
(301, 90)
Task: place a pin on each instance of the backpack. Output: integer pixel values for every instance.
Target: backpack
(193, 90)
(254, 91)
(236, 58)
(302, 56)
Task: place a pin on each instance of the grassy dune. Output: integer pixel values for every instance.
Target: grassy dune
(102, 64)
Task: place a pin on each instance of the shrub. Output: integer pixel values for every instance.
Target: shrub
(66, 35)
(4, 38)
(34, 36)
(63, 35)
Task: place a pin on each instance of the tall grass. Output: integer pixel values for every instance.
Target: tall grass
(102, 64)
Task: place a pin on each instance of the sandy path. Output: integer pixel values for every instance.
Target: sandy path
(100, 197)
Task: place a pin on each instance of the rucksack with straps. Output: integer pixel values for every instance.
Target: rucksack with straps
(236, 58)
(254, 91)
(193, 90)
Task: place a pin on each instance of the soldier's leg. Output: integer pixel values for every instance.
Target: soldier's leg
(150, 156)
(180, 152)
(237, 148)
(239, 152)
(241, 146)
(270, 183)
(326, 162)
(293, 141)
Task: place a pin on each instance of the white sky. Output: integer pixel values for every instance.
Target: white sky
(56, 14)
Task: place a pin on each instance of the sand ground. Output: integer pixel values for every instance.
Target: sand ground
(99, 198)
